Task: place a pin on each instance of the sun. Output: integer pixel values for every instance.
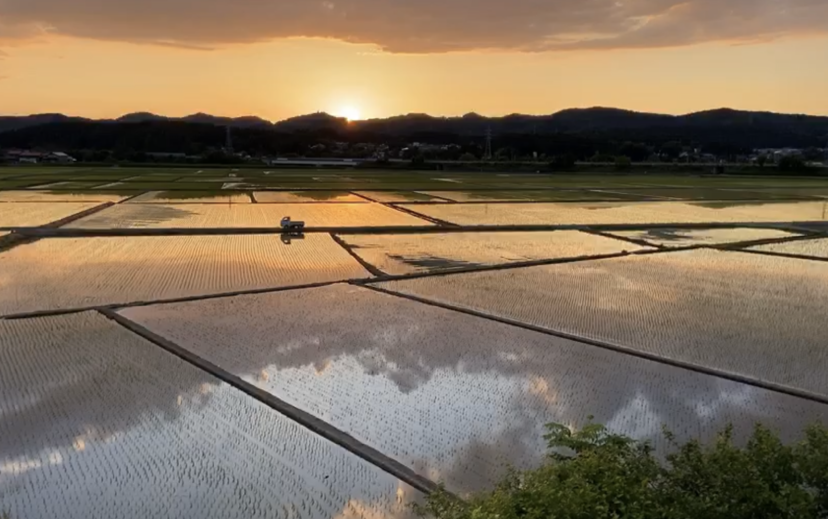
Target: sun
(350, 112)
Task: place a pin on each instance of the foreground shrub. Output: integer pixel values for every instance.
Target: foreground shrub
(592, 474)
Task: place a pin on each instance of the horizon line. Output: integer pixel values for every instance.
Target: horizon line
(409, 114)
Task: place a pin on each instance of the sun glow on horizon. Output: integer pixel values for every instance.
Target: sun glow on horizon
(350, 112)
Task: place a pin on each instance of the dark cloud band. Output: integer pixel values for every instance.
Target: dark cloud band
(421, 26)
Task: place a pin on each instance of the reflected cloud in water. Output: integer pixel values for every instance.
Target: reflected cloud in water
(455, 397)
(757, 316)
(156, 437)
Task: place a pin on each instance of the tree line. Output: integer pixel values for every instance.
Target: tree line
(97, 141)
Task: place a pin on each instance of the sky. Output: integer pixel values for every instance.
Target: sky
(378, 58)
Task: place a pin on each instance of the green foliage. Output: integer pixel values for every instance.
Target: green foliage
(602, 157)
(504, 154)
(636, 151)
(671, 150)
(813, 154)
(792, 163)
(593, 474)
(622, 163)
(562, 162)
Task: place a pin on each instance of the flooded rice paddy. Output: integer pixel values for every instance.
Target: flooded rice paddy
(272, 197)
(740, 313)
(691, 237)
(325, 375)
(192, 197)
(817, 248)
(59, 274)
(624, 212)
(455, 397)
(160, 216)
(410, 253)
(529, 196)
(399, 196)
(57, 196)
(30, 214)
(98, 422)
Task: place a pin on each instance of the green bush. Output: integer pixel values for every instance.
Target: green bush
(594, 474)
(602, 157)
(418, 160)
(792, 163)
(623, 163)
(562, 162)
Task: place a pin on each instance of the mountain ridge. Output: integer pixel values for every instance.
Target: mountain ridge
(567, 119)
(602, 128)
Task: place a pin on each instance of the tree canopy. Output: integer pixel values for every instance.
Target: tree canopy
(594, 474)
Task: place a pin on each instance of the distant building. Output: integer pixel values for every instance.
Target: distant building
(776, 154)
(59, 156)
(708, 158)
(38, 157)
(382, 153)
(313, 162)
(166, 155)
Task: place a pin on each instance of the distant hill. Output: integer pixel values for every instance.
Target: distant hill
(140, 117)
(317, 121)
(8, 123)
(16, 122)
(596, 120)
(238, 122)
(572, 120)
(578, 129)
(200, 118)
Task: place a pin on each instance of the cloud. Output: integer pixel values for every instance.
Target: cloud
(423, 26)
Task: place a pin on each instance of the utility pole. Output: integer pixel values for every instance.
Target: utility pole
(228, 144)
(487, 155)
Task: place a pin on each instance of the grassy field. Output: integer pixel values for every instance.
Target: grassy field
(467, 187)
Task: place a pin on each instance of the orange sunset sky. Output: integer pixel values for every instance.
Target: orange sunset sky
(376, 58)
